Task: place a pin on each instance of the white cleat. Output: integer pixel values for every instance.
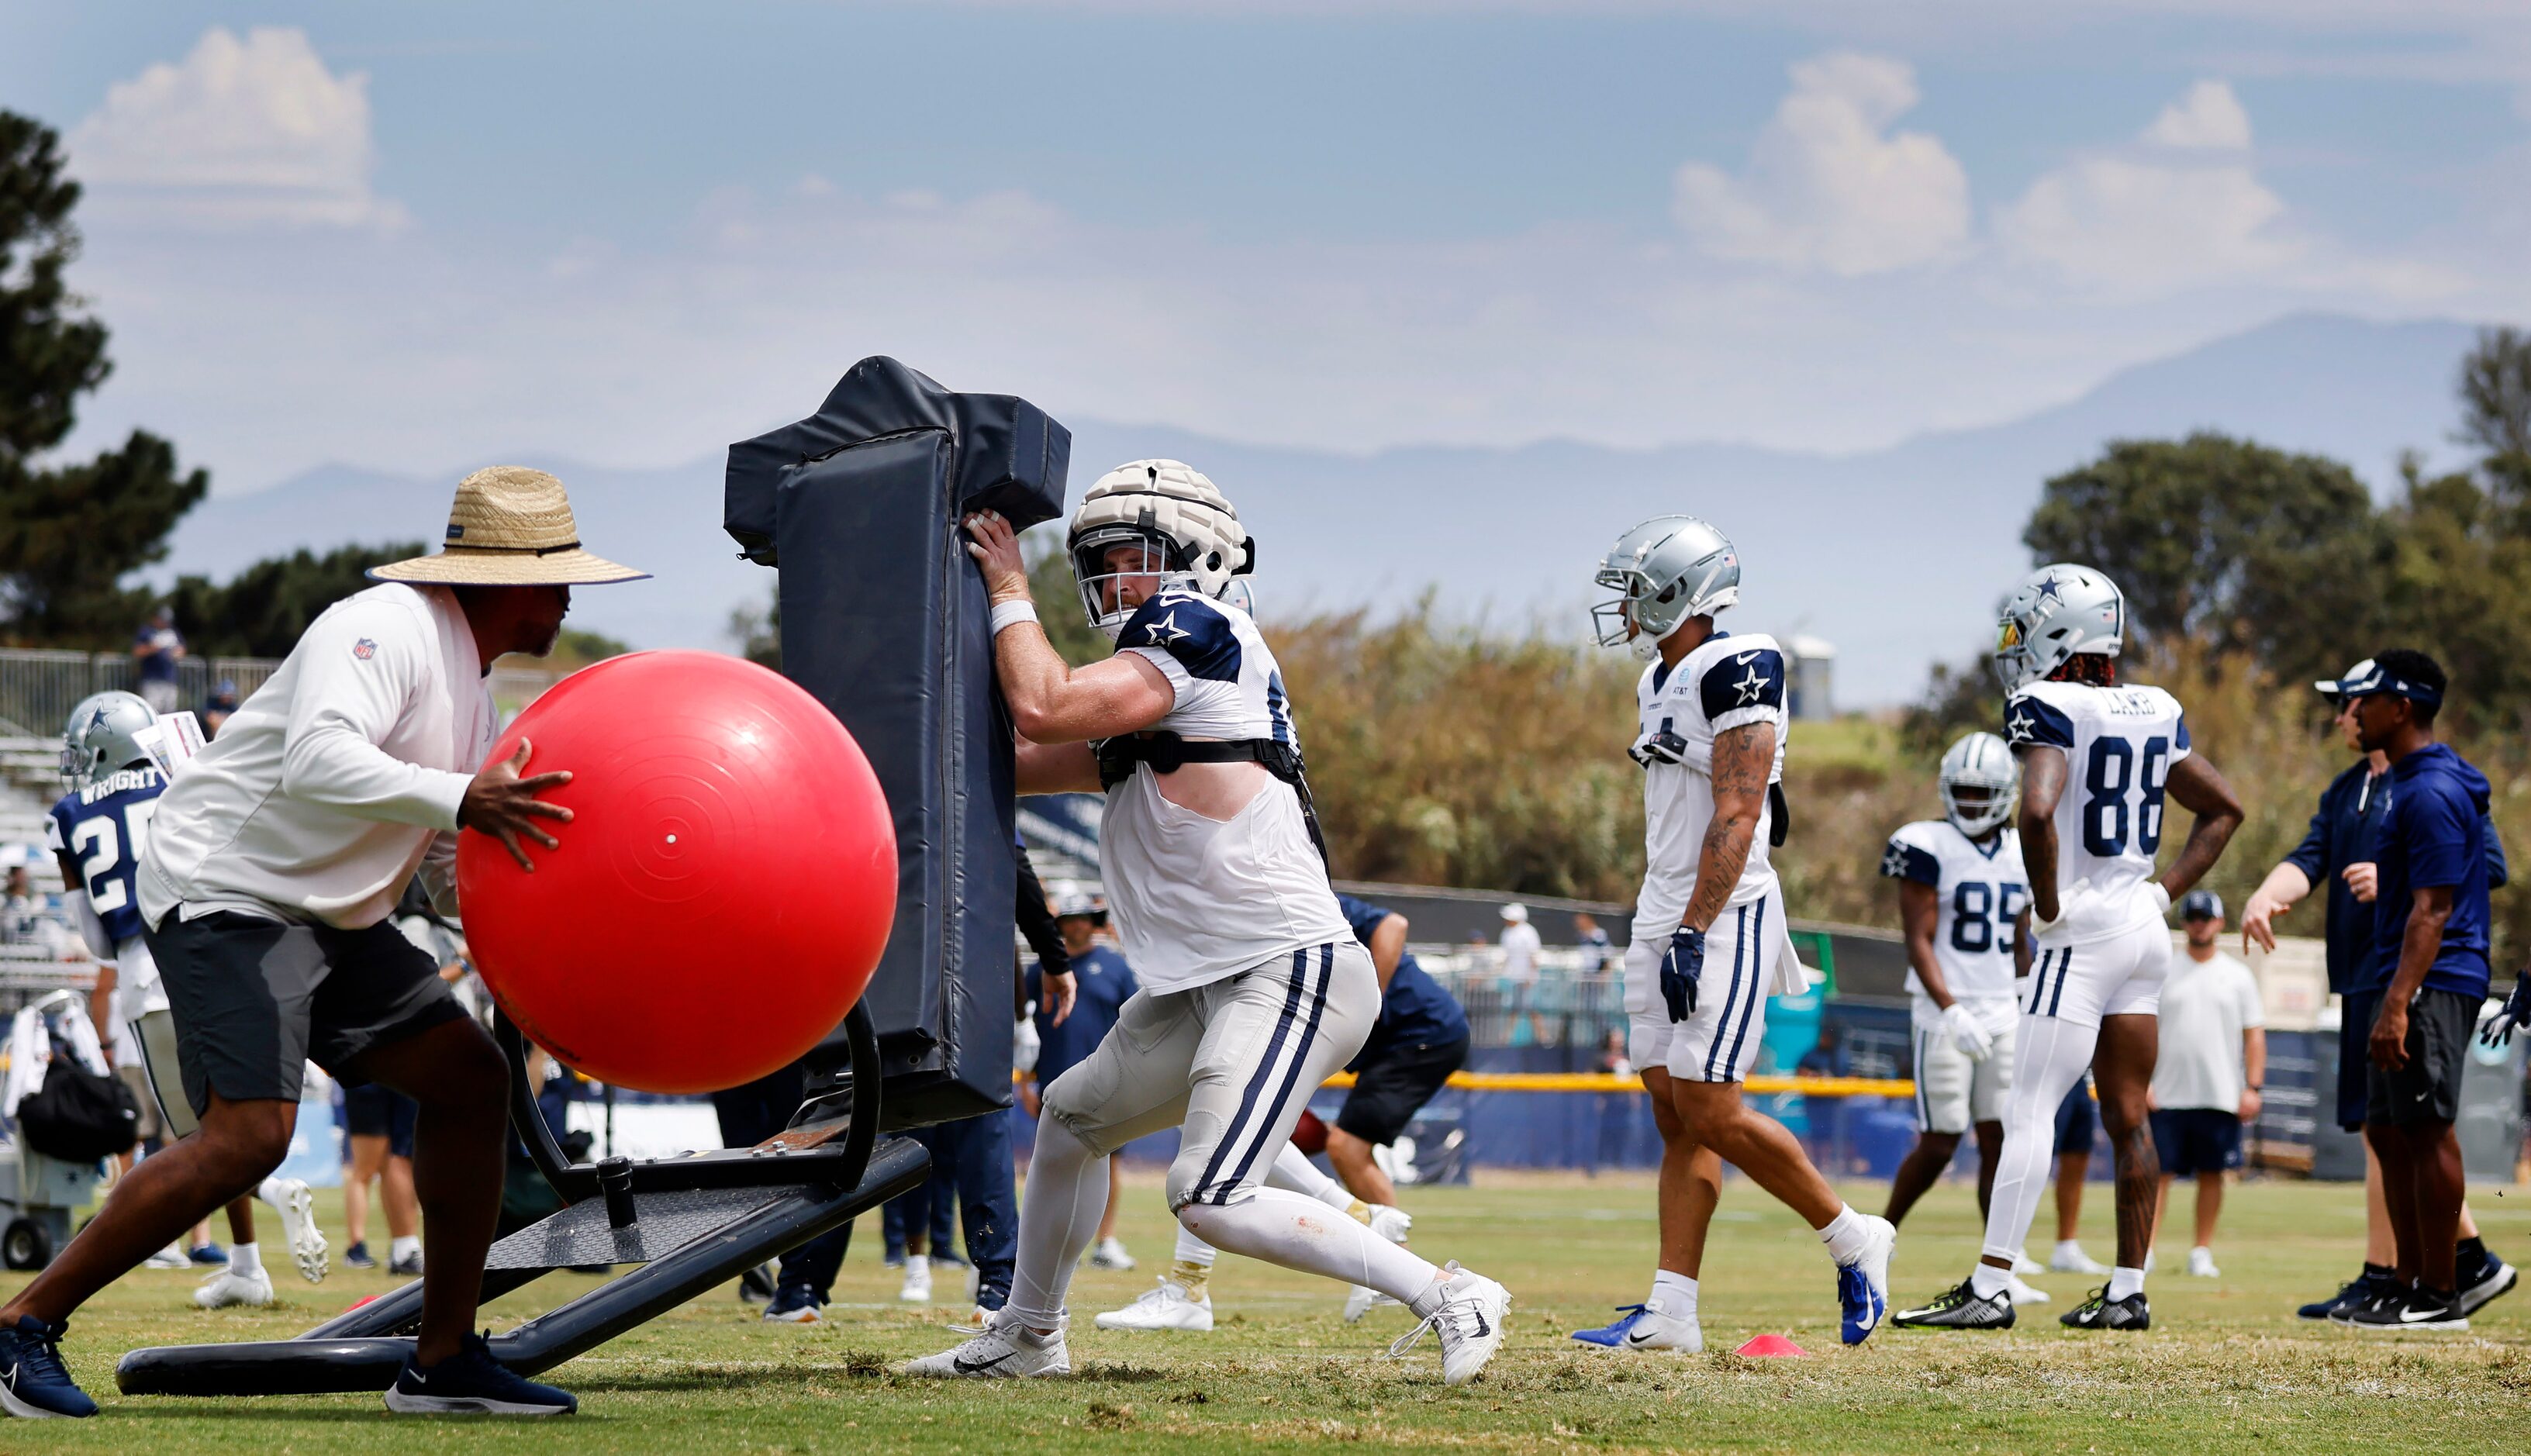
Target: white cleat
(1110, 1255)
(918, 1280)
(1163, 1308)
(1470, 1323)
(1390, 1223)
(1361, 1301)
(2069, 1258)
(226, 1286)
(2024, 1265)
(169, 1257)
(1002, 1350)
(2024, 1294)
(2201, 1263)
(297, 1210)
(1654, 1331)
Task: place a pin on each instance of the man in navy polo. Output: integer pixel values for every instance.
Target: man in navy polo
(2429, 965)
(2335, 854)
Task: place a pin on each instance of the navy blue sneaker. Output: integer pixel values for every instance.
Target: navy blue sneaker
(794, 1304)
(358, 1257)
(1610, 1336)
(208, 1253)
(471, 1382)
(33, 1380)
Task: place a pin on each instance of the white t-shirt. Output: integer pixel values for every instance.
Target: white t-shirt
(1728, 680)
(1979, 896)
(1196, 899)
(2206, 1005)
(339, 778)
(1520, 952)
(2120, 743)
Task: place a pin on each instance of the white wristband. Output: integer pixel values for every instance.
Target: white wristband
(1007, 612)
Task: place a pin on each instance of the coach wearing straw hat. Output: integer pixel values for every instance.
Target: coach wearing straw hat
(272, 862)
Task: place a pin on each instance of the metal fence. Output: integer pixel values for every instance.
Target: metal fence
(38, 687)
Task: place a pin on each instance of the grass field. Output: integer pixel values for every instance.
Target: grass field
(2225, 1366)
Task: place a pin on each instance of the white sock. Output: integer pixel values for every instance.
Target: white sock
(1294, 1171)
(1674, 1294)
(1431, 1296)
(2049, 1057)
(271, 1190)
(245, 1258)
(2125, 1281)
(1192, 1250)
(1067, 1195)
(400, 1250)
(1988, 1282)
(2069, 1247)
(1282, 1227)
(1846, 1234)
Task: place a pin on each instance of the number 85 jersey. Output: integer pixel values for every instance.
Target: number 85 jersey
(1979, 897)
(2120, 743)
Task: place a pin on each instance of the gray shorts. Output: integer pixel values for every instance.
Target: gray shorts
(1233, 1063)
(162, 1084)
(256, 999)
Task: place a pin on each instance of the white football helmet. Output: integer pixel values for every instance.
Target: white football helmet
(2056, 612)
(102, 736)
(1153, 518)
(1665, 571)
(1980, 782)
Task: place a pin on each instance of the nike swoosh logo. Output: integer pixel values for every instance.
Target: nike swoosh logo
(979, 1366)
(1639, 1339)
(1744, 659)
(2412, 1316)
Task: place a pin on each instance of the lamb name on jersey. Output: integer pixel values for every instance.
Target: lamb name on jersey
(1196, 899)
(1726, 682)
(103, 826)
(2120, 743)
(1979, 896)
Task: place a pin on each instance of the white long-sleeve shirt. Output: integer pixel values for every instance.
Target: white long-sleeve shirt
(340, 778)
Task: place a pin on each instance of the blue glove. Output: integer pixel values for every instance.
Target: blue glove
(1681, 966)
(2501, 1027)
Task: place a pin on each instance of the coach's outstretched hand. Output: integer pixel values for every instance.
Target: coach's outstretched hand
(2516, 1015)
(1681, 966)
(501, 804)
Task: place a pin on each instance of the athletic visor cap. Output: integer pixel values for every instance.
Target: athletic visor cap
(2373, 679)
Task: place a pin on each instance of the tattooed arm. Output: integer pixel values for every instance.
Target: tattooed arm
(1743, 758)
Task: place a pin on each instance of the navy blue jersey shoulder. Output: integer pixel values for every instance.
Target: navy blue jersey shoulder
(1738, 680)
(1904, 860)
(1363, 916)
(1188, 628)
(2028, 720)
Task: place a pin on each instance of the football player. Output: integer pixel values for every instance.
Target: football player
(1710, 943)
(1960, 900)
(97, 832)
(2098, 763)
(1253, 987)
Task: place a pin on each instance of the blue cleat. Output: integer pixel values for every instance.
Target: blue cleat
(1610, 1336)
(33, 1380)
(1863, 1283)
(471, 1382)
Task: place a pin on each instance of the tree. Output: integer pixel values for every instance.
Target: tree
(2233, 545)
(263, 609)
(68, 535)
(2496, 394)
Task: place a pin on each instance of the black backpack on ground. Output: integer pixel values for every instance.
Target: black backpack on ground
(79, 1116)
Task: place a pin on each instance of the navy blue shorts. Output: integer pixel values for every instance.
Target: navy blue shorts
(2354, 1060)
(2197, 1140)
(373, 1111)
(2077, 1120)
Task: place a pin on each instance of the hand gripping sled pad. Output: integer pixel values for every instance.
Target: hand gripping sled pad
(884, 621)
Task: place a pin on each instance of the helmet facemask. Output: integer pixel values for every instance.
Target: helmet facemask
(1976, 808)
(1111, 561)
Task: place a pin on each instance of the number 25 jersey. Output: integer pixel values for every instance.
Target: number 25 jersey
(104, 828)
(2120, 743)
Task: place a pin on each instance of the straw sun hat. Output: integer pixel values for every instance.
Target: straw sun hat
(510, 526)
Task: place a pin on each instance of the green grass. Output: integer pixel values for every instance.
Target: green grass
(2225, 1366)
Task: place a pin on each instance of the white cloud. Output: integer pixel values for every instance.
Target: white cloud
(2210, 116)
(2182, 208)
(1825, 186)
(239, 132)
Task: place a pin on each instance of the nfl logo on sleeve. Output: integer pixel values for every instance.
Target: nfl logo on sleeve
(365, 649)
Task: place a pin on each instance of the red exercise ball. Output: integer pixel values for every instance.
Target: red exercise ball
(723, 890)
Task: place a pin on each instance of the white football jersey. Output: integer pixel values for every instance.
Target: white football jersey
(2120, 743)
(1197, 899)
(1979, 894)
(1726, 682)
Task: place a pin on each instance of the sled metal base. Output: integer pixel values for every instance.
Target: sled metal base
(690, 1242)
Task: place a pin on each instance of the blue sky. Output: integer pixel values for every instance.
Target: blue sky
(403, 236)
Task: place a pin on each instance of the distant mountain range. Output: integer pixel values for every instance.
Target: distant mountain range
(1895, 556)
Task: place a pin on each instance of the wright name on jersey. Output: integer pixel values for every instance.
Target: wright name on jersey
(104, 828)
(1979, 895)
(2120, 743)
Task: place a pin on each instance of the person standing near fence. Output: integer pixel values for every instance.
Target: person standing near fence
(1520, 945)
(2211, 1074)
(156, 649)
(2335, 853)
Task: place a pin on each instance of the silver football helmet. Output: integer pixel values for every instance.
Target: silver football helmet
(1153, 518)
(1665, 571)
(1980, 782)
(2056, 612)
(102, 736)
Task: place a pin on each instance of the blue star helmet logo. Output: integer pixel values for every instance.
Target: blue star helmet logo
(2050, 589)
(1167, 629)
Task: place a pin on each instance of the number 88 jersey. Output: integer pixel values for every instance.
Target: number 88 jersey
(2120, 743)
